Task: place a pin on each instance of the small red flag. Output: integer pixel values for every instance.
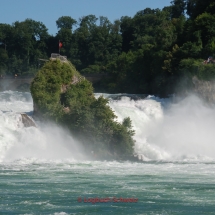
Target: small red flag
(60, 45)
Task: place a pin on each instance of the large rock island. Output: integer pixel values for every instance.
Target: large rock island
(62, 95)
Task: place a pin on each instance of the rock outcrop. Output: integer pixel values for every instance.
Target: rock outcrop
(204, 89)
(60, 94)
(27, 121)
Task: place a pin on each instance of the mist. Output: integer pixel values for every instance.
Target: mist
(47, 142)
(168, 130)
(186, 130)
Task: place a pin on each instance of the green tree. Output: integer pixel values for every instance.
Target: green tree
(127, 32)
(65, 34)
(65, 22)
(178, 8)
(197, 7)
(203, 23)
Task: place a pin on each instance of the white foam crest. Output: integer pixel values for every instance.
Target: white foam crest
(145, 114)
(140, 111)
(61, 213)
(13, 101)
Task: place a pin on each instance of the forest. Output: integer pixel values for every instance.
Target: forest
(149, 53)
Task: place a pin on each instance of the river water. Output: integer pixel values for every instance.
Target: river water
(44, 171)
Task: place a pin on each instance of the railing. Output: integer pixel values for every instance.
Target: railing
(55, 56)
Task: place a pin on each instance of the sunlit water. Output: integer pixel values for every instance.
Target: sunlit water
(45, 171)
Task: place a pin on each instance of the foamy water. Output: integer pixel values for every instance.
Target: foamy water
(47, 142)
(44, 171)
(164, 131)
(169, 131)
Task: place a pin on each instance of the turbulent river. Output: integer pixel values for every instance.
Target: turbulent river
(43, 169)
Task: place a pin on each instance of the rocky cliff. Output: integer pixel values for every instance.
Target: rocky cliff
(62, 95)
(204, 89)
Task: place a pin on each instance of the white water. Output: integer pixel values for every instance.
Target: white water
(47, 142)
(41, 174)
(166, 131)
(182, 131)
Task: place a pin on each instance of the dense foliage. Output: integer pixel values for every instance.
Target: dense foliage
(89, 119)
(147, 53)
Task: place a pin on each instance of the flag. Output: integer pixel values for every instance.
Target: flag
(60, 44)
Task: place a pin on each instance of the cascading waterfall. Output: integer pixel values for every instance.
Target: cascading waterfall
(164, 130)
(48, 141)
(169, 130)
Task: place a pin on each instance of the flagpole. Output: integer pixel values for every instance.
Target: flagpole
(59, 46)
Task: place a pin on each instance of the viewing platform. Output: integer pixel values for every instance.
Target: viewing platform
(55, 56)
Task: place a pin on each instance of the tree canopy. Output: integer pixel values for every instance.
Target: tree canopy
(139, 54)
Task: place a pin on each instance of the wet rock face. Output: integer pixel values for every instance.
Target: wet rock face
(27, 121)
(205, 89)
